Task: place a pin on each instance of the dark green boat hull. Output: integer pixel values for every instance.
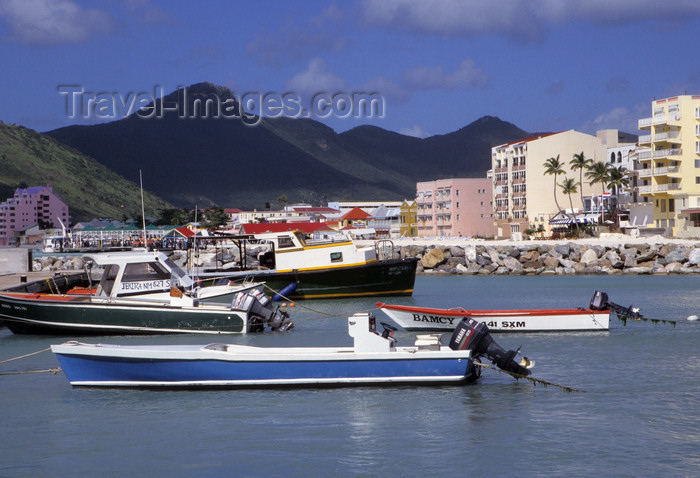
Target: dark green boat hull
(33, 316)
(382, 278)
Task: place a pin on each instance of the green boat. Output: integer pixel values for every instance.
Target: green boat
(109, 310)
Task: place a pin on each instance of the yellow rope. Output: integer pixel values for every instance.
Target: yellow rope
(27, 355)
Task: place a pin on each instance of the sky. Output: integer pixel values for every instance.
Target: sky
(431, 66)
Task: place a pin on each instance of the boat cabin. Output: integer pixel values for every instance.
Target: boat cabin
(135, 273)
(292, 251)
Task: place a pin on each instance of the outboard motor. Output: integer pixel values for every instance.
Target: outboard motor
(473, 335)
(600, 301)
(261, 312)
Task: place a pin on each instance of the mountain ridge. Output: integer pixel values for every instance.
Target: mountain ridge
(223, 161)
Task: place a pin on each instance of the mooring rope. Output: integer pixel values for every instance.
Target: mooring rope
(26, 355)
(533, 380)
(53, 371)
(311, 310)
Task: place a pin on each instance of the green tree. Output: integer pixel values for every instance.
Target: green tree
(214, 217)
(598, 173)
(617, 179)
(580, 162)
(553, 166)
(283, 200)
(569, 186)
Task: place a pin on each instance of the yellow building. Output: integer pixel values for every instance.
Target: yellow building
(670, 160)
(408, 219)
(523, 195)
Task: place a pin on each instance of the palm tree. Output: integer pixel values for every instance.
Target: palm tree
(580, 162)
(617, 178)
(554, 167)
(569, 187)
(598, 173)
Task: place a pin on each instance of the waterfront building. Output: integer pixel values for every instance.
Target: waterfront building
(670, 159)
(31, 206)
(366, 206)
(523, 195)
(456, 207)
(408, 221)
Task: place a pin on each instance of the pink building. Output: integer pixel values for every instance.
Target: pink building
(455, 208)
(31, 206)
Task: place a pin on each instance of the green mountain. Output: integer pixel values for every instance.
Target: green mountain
(222, 161)
(89, 188)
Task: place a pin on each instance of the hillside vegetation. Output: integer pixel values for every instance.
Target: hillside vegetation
(89, 188)
(221, 161)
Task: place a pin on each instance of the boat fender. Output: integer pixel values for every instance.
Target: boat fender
(285, 292)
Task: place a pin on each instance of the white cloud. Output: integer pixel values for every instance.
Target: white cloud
(416, 131)
(46, 22)
(619, 118)
(467, 75)
(315, 79)
(517, 18)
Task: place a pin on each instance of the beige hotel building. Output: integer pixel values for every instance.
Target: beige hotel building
(523, 194)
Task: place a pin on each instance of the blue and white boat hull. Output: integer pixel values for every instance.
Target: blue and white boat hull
(220, 365)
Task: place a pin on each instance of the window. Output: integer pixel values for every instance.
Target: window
(336, 257)
(671, 205)
(663, 205)
(285, 241)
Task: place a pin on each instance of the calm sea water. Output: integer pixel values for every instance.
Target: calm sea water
(639, 415)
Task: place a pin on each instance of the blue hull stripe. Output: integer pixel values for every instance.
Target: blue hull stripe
(139, 372)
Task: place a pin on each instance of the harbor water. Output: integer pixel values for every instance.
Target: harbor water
(638, 412)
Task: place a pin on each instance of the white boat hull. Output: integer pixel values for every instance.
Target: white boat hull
(535, 320)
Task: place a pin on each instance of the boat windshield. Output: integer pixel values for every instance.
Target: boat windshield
(177, 273)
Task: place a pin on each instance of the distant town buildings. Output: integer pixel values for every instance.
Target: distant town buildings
(524, 194)
(457, 207)
(35, 206)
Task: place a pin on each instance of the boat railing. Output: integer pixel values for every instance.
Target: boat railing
(384, 249)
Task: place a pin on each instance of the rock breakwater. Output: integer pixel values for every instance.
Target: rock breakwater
(566, 258)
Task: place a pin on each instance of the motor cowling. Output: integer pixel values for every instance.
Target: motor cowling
(473, 335)
(260, 311)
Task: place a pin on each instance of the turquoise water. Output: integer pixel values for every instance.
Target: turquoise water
(639, 414)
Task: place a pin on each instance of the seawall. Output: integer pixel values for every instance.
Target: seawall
(562, 258)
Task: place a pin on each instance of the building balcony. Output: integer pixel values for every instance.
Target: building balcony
(662, 153)
(644, 189)
(665, 136)
(644, 173)
(666, 170)
(644, 154)
(646, 123)
(646, 138)
(660, 188)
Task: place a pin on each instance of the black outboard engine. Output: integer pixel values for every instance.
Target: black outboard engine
(600, 301)
(473, 335)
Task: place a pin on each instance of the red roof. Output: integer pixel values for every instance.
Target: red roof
(232, 210)
(183, 231)
(354, 214)
(306, 227)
